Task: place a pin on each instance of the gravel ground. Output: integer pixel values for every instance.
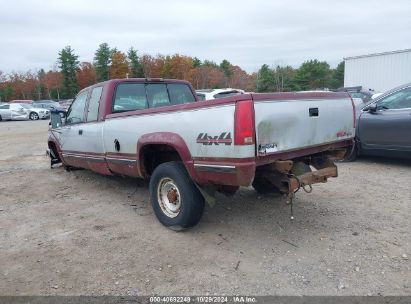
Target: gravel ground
(72, 233)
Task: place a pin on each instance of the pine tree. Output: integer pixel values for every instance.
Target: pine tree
(68, 63)
(136, 68)
(102, 61)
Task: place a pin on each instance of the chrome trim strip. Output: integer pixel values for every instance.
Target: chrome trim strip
(215, 168)
(120, 160)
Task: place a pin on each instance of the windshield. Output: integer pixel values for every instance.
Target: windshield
(26, 106)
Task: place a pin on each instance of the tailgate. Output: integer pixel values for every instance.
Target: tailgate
(292, 121)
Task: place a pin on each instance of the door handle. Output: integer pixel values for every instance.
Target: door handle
(80, 132)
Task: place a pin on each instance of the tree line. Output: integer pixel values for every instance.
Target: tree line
(70, 75)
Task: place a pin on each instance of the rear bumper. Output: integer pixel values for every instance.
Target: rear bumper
(241, 171)
(230, 172)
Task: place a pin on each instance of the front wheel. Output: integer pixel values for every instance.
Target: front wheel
(33, 116)
(1, 118)
(353, 154)
(176, 201)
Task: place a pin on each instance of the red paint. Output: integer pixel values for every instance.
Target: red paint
(286, 96)
(266, 159)
(165, 138)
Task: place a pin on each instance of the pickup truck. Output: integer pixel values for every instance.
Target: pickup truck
(157, 129)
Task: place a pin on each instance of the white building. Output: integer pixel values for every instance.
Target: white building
(379, 72)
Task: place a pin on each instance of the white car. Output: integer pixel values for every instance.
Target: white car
(207, 94)
(22, 111)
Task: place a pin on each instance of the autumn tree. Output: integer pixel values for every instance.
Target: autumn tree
(119, 65)
(102, 61)
(68, 64)
(86, 75)
(53, 82)
(135, 66)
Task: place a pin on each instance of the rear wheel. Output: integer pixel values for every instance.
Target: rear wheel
(176, 201)
(33, 116)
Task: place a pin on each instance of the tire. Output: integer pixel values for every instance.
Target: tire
(263, 186)
(176, 201)
(1, 118)
(33, 116)
(352, 156)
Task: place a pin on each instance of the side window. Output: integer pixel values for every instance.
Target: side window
(397, 100)
(4, 107)
(157, 95)
(76, 111)
(94, 104)
(180, 93)
(130, 97)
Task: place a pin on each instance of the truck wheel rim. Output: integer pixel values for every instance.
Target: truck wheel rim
(169, 197)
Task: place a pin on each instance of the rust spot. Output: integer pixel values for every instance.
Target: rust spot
(172, 196)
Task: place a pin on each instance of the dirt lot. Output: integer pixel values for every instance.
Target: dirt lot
(72, 233)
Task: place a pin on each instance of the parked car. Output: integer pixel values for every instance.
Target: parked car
(66, 103)
(47, 104)
(22, 111)
(28, 101)
(207, 94)
(358, 92)
(384, 124)
(156, 129)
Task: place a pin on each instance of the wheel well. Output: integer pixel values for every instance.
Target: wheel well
(153, 155)
(52, 146)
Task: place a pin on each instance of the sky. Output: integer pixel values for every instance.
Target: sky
(246, 33)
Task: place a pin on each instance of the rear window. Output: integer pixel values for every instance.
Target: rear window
(138, 96)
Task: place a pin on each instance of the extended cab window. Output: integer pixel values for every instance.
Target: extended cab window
(130, 97)
(76, 111)
(94, 104)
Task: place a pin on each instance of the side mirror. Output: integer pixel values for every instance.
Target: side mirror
(372, 108)
(56, 120)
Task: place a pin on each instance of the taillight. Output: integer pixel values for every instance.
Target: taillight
(244, 123)
(353, 112)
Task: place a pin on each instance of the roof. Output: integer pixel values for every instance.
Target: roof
(378, 54)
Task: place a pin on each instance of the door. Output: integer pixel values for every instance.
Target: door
(70, 135)
(388, 127)
(5, 111)
(93, 134)
(17, 112)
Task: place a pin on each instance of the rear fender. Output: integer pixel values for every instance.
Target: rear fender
(170, 139)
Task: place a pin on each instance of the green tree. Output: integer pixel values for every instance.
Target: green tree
(311, 75)
(265, 79)
(337, 80)
(136, 68)
(68, 64)
(196, 62)
(225, 65)
(102, 61)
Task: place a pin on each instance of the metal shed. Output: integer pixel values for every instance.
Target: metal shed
(380, 71)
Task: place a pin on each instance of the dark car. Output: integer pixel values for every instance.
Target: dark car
(358, 92)
(384, 124)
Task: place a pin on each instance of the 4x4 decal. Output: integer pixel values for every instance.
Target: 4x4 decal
(224, 138)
